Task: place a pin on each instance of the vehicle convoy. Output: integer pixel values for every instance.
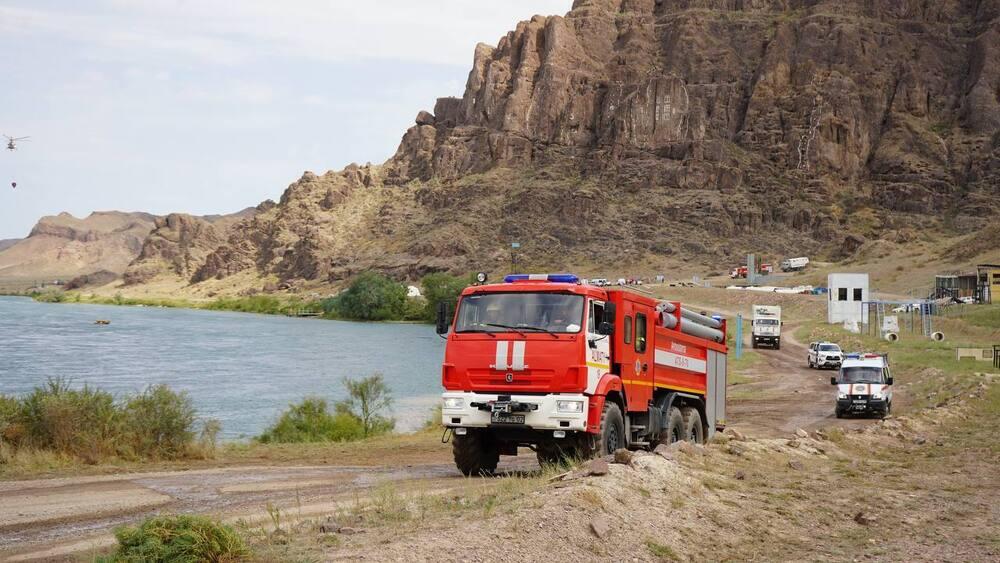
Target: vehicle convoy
(573, 370)
(766, 325)
(824, 355)
(864, 385)
(794, 264)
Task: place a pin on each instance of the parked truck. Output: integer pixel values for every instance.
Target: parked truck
(741, 272)
(794, 264)
(766, 326)
(572, 370)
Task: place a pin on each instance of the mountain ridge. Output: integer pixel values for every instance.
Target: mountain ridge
(656, 135)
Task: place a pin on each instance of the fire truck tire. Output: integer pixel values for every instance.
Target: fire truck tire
(674, 430)
(475, 453)
(612, 436)
(694, 431)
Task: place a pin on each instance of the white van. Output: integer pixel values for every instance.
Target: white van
(864, 385)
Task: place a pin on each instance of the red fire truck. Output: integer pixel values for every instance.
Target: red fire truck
(566, 369)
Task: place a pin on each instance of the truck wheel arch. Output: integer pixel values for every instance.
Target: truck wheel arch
(609, 388)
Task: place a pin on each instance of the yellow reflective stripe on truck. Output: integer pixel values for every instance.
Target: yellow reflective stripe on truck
(663, 386)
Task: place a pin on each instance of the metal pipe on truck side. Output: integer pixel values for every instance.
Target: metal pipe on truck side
(692, 316)
(693, 328)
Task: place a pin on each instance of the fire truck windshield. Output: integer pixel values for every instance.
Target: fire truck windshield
(508, 312)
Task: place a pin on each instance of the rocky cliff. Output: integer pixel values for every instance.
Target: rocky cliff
(179, 244)
(63, 246)
(667, 132)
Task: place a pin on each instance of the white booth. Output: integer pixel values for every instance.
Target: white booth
(847, 298)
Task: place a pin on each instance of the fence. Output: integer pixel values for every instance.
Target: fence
(996, 356)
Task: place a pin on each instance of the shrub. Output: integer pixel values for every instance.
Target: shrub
(91, 425)
(366, 399)
(372, 297)
(81, 422)
(441, 287)
(179, 539)
(262, 304)
(160, 422)
(312, 421)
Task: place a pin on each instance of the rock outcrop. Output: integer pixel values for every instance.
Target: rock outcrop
(650, 131)
(180, 243)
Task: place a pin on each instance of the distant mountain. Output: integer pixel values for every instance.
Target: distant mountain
(63, 246)
(106, 242)
(7, 243)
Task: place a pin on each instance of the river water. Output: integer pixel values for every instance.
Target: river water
(239, 368)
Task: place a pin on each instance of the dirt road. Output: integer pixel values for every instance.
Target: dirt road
(53, 519)
(785, 394)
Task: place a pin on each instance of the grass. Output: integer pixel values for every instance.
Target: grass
(178, 539)
(663, 552)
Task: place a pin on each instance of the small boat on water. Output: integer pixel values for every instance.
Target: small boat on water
(102, 322)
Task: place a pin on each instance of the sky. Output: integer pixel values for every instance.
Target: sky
(211, 106)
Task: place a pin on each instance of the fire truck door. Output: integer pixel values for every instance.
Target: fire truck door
(598, 347)
(637, 355)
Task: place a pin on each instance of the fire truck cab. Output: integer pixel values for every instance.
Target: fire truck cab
(573, 370)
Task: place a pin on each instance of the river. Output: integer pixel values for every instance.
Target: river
(239, 368)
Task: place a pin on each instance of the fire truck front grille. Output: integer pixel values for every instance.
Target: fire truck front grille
(530, 379)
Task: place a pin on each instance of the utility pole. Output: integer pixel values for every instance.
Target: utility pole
(514, 246)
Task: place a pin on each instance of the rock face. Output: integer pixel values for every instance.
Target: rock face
(179, 244)
(667, 129)
(63, 247)
(7, 243)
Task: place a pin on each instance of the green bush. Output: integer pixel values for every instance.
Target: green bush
(179, 539)
(91, 425)
(359, 416)
(371, 297)
(441, 287)
(312, 421)
(366, 398)
(84, 423)
(160, 422)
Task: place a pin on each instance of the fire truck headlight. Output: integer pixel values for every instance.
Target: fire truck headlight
(569, 406)
(876, 395)
(841, 395)
(454, 402)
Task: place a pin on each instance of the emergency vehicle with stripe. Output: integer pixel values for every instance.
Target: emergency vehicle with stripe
(573, 370)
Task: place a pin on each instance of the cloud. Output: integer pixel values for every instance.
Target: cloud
(209, 105)
(228, 33)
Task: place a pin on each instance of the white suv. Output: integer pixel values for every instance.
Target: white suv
(824, 355)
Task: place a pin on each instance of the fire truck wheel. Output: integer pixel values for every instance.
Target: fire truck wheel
(612, 435)
(694, 432)
(475, 453)
(674, 431)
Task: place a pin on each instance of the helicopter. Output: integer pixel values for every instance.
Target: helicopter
(12, 141)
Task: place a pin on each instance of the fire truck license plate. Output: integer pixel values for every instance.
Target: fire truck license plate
(507, 418)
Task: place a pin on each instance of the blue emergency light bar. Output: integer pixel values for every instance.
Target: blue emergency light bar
(855, 356)
(554, 278)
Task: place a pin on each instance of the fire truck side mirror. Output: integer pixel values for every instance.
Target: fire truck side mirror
(888, 381)
(833, 381)
(442, 318)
